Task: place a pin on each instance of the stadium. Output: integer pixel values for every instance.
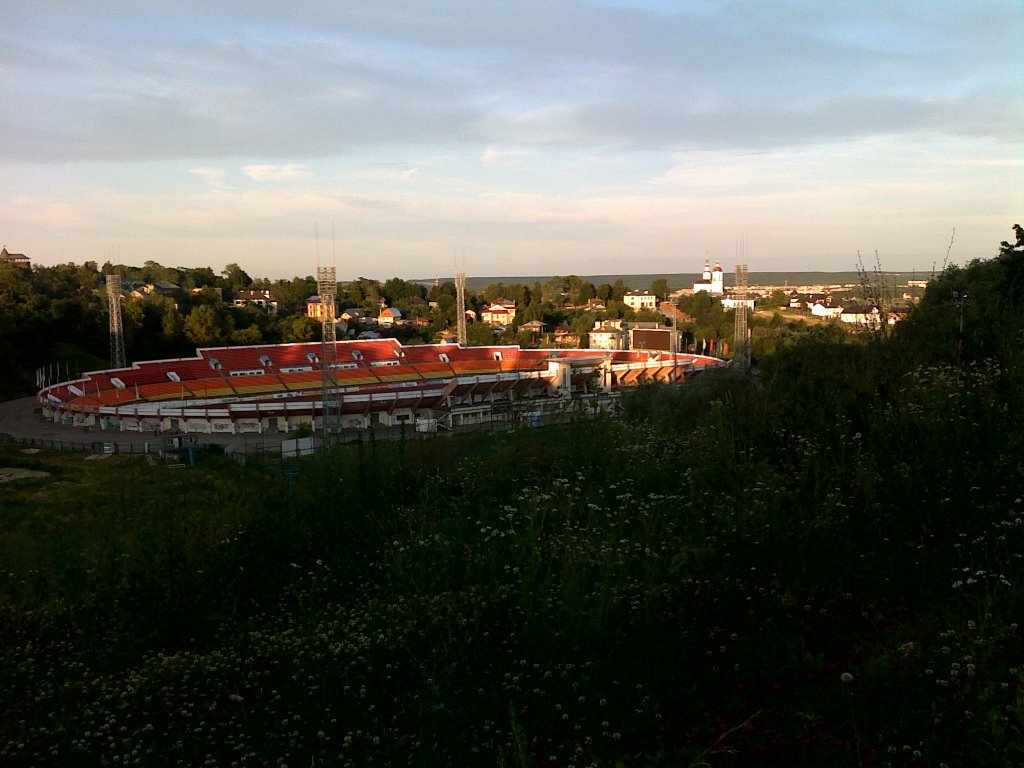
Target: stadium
(282, 388)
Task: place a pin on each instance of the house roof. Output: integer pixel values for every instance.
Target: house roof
(250, 295)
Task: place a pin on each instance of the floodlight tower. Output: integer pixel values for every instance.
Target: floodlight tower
(741, 334)
(460, 292)
(327, 290)
(117, 356)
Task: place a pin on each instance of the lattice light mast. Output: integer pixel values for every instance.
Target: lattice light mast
(460, 292)
(327, 290)
(117, 356)
(741, 334)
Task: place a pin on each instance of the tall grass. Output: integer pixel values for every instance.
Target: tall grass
(816, 565)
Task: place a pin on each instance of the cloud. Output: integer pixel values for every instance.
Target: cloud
(495, 157)
(216, 84)
(284, 172)
(212, 176)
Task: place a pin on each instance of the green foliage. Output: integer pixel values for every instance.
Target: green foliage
(479, 334)
(299, 329)
(206, 327)
(600, 586)
(975, 311)
(814, 564)
(779, 298)
(660, 288)
(235, 278)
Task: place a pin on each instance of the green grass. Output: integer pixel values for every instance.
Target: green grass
(687, 586)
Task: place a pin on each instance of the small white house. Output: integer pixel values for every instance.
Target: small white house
(826, 310)
(608, 335)
(638, 300)
(868, 318)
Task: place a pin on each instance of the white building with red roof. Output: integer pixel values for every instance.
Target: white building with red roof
(500, 312)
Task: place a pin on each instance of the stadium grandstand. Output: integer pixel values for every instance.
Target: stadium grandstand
(280, 388)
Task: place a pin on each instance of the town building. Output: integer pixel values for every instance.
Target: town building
(609, 334)
(389, 317)
(500, 312)
(262, 299)
(866, 318)
(315, 308)
(637, 300)
(15, 259)
(712, 280)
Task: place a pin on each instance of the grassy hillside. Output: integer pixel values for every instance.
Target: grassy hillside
(817, 565)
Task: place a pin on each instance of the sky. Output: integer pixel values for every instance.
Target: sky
(410, 138)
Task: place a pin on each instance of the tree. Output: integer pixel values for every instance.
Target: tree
(132, 319)
(494, 291)
(396, 289)
(204, 327)
(236, 278)
(365, 293)
(298, 329)
(660, 288)
(618, 290)
(172, 328)
(479, 335)
(971, 311)
(250, 335)
(779, 298)
(198, 277)
(586, 293)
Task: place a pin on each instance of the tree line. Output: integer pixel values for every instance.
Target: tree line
(59, 314)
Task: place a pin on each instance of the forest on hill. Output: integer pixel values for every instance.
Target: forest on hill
(815, 563)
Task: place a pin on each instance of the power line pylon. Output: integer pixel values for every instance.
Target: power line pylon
(117, 356)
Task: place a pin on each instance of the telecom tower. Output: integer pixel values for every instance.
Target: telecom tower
(117, 357)
(741, 335)
(460, 291)
(327, 289)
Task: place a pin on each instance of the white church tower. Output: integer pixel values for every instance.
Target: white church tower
(717, 280)
(712, 280)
